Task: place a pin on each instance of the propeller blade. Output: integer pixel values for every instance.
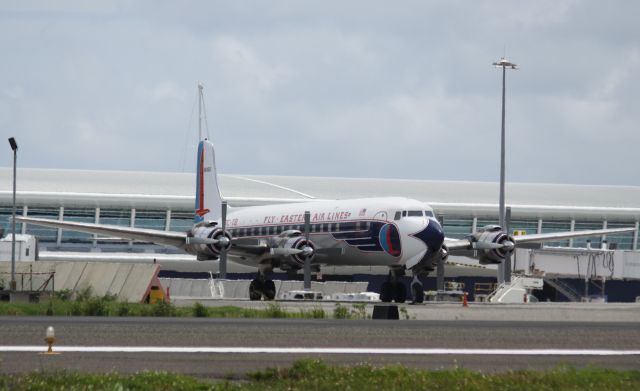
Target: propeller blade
(191, 240)
(506, 245)
(284, 251)
(486, 246)
(223, 249)
(307, 225)
(224, 215)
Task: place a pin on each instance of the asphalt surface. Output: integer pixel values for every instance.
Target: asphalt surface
(195, 332)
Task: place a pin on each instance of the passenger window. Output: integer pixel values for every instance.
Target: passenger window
(398, 215)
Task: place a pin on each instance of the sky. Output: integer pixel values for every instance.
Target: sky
(380, 89)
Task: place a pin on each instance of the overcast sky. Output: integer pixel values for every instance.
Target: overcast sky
(401, 89)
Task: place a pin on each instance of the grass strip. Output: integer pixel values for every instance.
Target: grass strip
(87, 305)
(312, 374)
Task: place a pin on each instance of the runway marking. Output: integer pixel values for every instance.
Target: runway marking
(301, 350)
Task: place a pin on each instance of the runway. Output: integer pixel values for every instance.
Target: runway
(222, 347)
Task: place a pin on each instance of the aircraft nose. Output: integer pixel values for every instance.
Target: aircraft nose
(431, 235)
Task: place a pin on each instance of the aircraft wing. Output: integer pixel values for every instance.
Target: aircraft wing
(468, 243)
(170, 238)
(539, 238)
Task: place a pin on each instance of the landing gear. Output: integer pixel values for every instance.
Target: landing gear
(262, 287)
(393, 289)
(417, 290)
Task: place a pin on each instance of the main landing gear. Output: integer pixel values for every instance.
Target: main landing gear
(262, 286)
(393, 289)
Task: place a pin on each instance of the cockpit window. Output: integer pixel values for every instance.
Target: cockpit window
(398, 215)
(428, 213)
(415, 213)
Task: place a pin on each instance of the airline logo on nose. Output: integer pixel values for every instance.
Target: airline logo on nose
(432, 236)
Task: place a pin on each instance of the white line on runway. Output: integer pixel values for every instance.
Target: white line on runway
(301, 350)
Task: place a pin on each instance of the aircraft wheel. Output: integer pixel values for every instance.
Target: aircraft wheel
(255, 290)
(400, 292)
(417, 290)
(386, 292)
(269, 290)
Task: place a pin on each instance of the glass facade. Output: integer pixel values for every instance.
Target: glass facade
(457, 227)
(181, 221)
(152, 219)
(78, 215)
(529, 226)
(44, 234)
(621, 241)
(5, 218)
(115, 217)
(551, 226)
(582, 225)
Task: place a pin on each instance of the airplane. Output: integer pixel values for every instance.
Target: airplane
(400, 233)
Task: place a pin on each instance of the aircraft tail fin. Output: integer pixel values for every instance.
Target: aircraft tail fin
(208, 198)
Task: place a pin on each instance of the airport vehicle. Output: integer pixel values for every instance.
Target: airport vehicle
(400, 233)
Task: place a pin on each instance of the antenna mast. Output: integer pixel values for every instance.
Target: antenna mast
(200, 87)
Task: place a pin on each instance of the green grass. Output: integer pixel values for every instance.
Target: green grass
(313, 374)
(85, 304)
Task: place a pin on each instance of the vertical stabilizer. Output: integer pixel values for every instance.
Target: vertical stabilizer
(208, 198)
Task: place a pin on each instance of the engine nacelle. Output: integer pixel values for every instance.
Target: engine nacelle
(493, 244)
(296, 248)
(200, 242)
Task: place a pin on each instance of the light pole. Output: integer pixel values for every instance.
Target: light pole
(12, 285)
(504, 271)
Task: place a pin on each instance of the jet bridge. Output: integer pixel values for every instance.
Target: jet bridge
(578, 263)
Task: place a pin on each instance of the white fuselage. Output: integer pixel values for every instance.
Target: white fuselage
(370, 231)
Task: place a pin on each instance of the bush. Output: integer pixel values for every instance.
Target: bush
(274, 310)
(162, 309)
(318, 313)
(340, 312)
(200, 311)
(359, 311)
(96, 306)
(123, 309)
(84, 295)
(64, 295)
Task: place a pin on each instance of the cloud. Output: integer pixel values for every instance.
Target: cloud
(300, 87)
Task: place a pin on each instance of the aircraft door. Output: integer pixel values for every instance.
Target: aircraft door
(382, 215)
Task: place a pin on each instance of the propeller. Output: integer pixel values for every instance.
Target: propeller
(224, 241)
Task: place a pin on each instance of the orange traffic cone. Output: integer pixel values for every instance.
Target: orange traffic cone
(465, 302)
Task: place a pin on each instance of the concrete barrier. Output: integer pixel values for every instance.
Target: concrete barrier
(239, 289)
(128, 282)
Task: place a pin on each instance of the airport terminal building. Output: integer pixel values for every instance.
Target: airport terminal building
(166, 201)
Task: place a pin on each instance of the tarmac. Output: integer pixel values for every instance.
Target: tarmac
(223, 348)
(446, 311)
